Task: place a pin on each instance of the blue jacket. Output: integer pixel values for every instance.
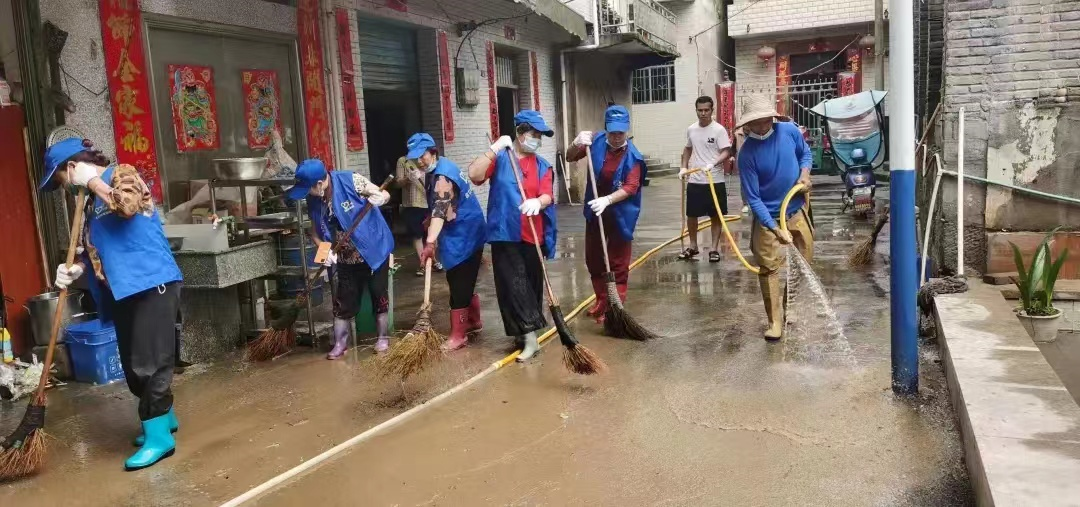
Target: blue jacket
(503, 215)
(626, 212)
(466, 233)
(372, 238)
(768, 169)
(135, 255)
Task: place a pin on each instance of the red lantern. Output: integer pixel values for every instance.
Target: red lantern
(867, 42)
(766, 53)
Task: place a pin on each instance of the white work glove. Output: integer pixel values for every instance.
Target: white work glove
(66, 276)
(82, 173)
(683, 172)
(379, 199)
(600, 204)
(584, 138)
(531, 207)
(784, 237)
(501, 144)
(331, 259)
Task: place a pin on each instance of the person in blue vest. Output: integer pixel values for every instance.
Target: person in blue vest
(334, 200)
(458, 227)
(136, 282)
(519, 282)
(620, 172)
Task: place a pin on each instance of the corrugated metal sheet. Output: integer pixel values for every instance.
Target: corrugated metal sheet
(387, 56)
(505, 72)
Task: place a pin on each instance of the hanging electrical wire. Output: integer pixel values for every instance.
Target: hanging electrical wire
(749, 5)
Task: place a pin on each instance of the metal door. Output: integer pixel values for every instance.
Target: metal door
(387, 56)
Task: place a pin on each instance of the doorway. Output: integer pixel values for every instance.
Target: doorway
(391, 81)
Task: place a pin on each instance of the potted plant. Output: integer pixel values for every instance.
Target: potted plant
(1036, 284)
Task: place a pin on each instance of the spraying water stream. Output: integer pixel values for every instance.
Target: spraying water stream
(811, 320)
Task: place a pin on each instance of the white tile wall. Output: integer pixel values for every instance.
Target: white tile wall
(660, 129)
(751, 18)
(471, 124)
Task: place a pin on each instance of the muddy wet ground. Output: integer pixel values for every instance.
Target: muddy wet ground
(709, 415)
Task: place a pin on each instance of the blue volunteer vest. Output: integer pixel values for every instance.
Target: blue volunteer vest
(503, 215)
(466, 233)
(135, 255)
(372, 238)
(626, 212)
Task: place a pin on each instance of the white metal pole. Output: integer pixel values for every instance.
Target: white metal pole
(960, 197)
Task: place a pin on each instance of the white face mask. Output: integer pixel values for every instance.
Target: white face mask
(530, 144)
(430, 167)
(616, 146)
(759, 137)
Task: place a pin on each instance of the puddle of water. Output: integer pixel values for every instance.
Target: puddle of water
(812, 321)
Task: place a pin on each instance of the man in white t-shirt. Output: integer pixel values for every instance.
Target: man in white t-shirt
(707, 147)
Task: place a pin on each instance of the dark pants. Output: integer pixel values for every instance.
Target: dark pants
(618, 253)
(519, 286)
(462, 280)
(146, 336)
(699, 202)
(353, 280)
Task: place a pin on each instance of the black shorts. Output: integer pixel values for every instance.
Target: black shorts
(699, 201)
(414, 221)
(353, 280)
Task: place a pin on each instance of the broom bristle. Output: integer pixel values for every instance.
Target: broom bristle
(412, 354)
(26, 460)
(627, 325)
(579, 359)
(270, 344)
(23, 451)
(863, 254)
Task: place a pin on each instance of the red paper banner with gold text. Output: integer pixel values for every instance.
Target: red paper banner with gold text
(493, 97)
(194, 107)
(354, 128)
(725, 115)
(534, 70)
(783, 82)
(129, 89)
(846, 83)
(262, 106)
(444, 88)
(855, 64)
(311, 60)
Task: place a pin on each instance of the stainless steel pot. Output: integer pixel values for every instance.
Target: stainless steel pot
(239, 168)
(42, 308)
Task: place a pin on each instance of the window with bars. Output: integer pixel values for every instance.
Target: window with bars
(654, 84)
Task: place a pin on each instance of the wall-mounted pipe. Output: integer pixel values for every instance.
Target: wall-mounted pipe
(960, 197)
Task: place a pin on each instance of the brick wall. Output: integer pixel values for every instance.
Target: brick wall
(749, 18)
(660, 129)
(1013, 65)
(471, 124)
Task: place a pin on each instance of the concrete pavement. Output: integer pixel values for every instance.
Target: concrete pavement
(708, 415)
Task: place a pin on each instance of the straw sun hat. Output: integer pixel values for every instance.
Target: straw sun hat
(756, 107)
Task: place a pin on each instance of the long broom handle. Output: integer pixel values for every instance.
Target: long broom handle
(596, 195)
(337, 243)
(554, 301)
(58, 315)
(427, 283)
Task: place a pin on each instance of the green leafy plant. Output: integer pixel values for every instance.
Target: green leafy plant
(1036, 284)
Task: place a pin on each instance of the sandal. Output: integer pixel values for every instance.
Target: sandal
(689, 254)
(714, 256)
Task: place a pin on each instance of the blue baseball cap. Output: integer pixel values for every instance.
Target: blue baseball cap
(418, 144)
(534, 120)
(616, 119)
(308, 173)
(56, 155)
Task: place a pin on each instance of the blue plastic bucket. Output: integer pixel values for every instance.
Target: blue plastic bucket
(289, 255)
(95, 357)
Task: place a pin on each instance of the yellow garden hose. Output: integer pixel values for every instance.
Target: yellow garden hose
(727, 232)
